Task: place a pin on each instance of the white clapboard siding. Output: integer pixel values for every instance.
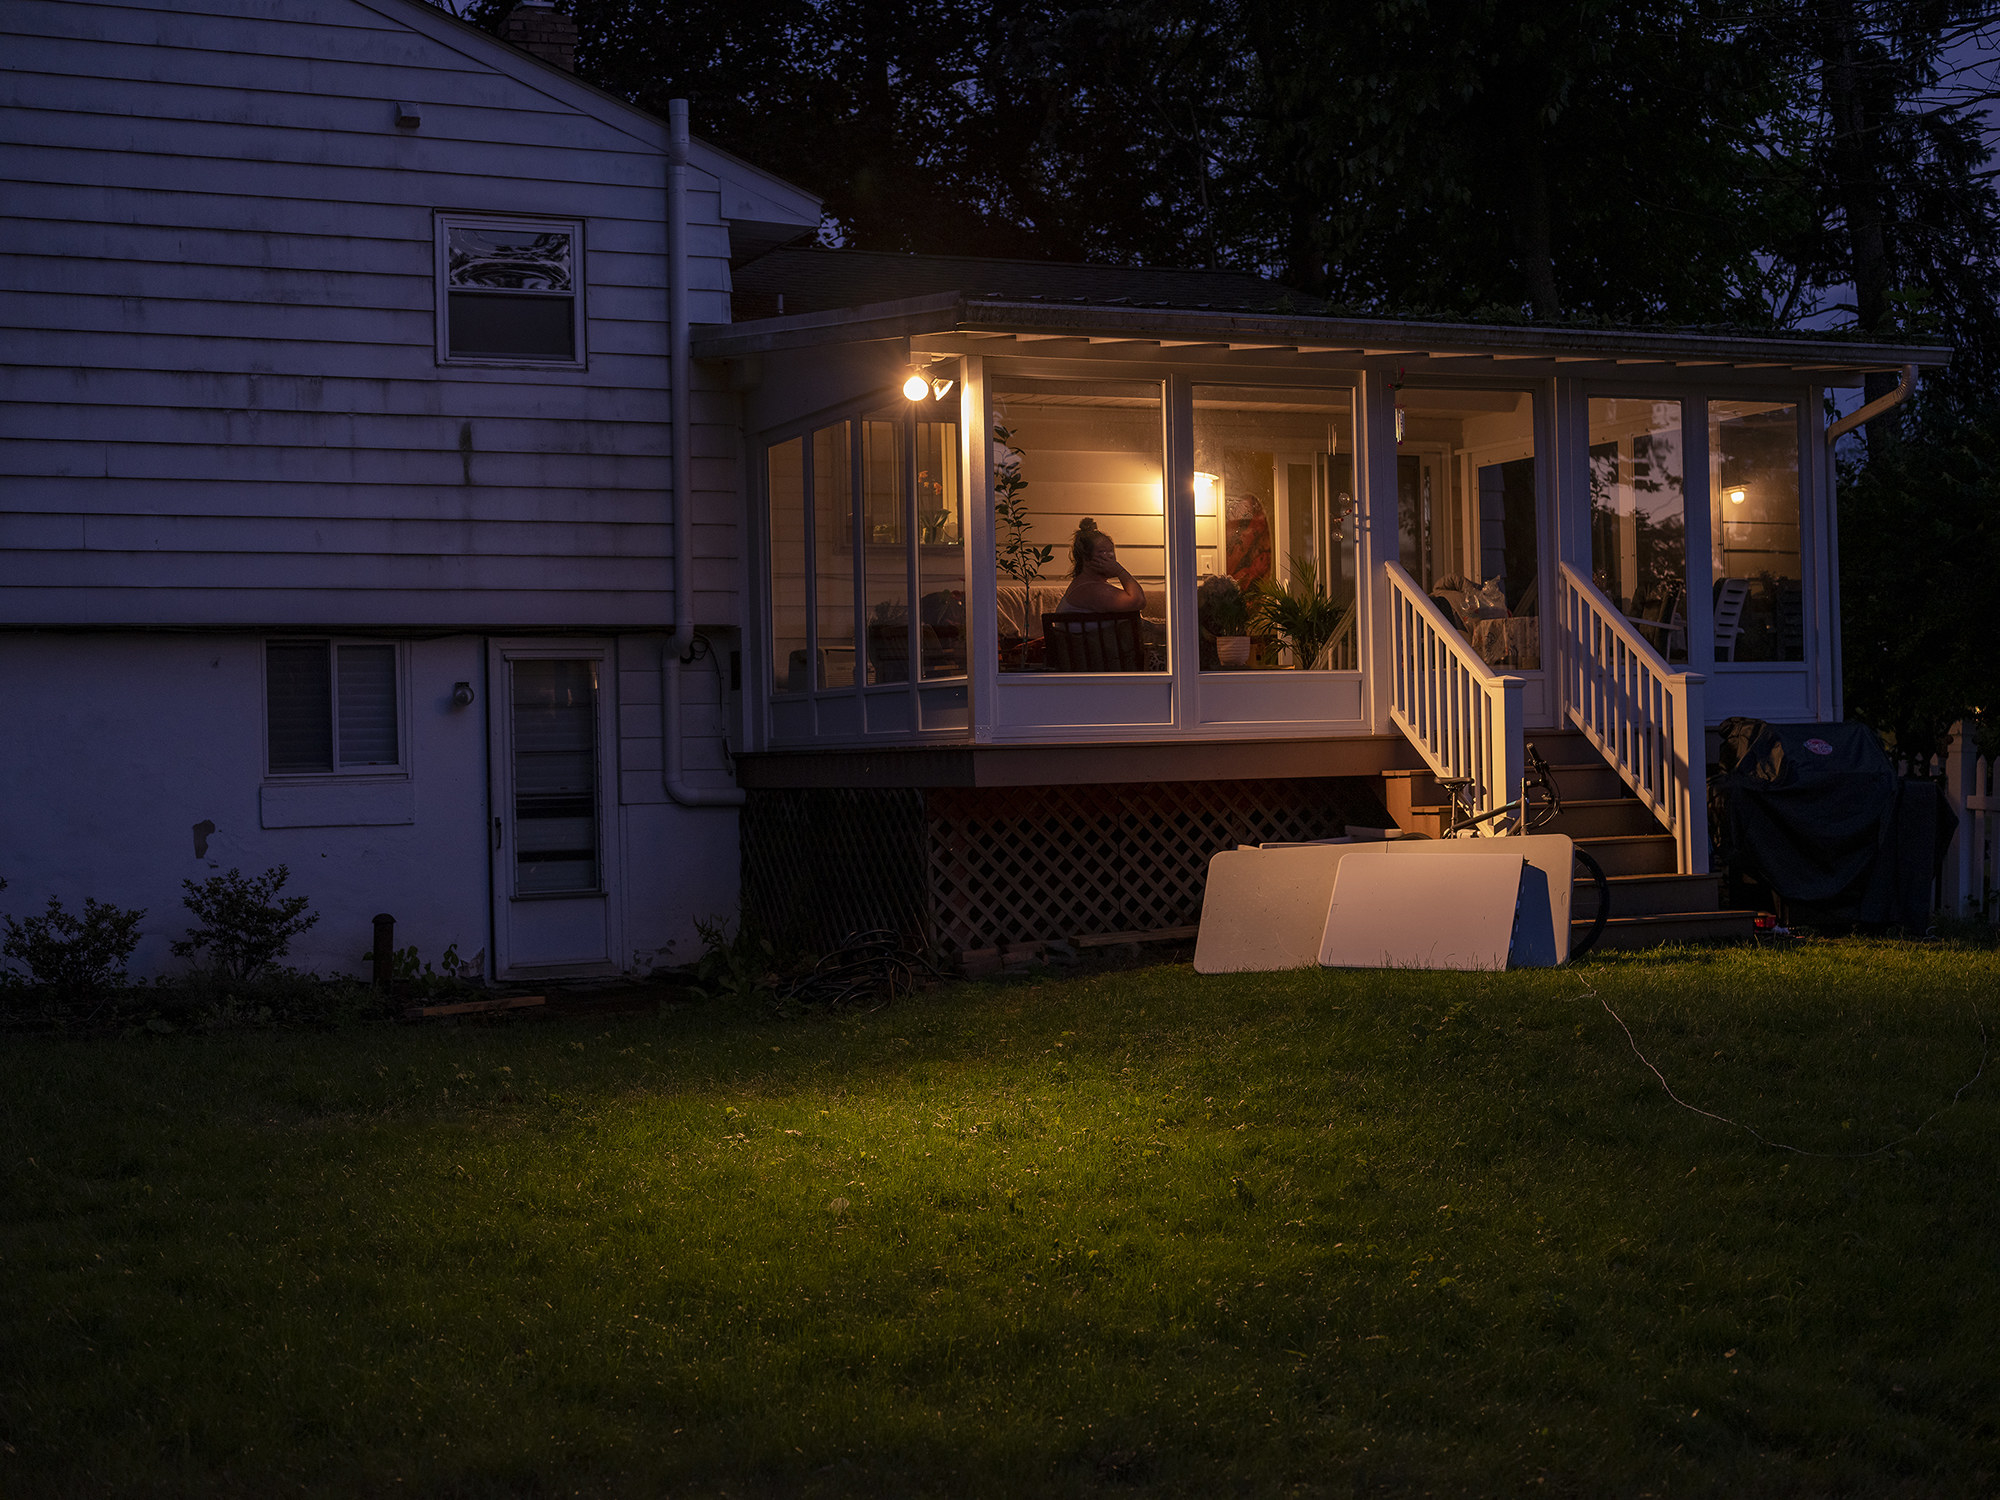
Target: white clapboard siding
(223, 402)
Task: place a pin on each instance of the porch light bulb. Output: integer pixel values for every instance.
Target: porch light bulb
(941, 388)
(916, 387)
(1737, 496)
(1205, 486)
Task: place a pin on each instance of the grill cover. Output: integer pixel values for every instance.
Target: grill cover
(1817, 813)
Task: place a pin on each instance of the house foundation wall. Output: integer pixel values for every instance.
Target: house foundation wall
(974, 867)
(136, 760)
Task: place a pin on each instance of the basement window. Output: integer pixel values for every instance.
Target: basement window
(331, 706)
(509, 291)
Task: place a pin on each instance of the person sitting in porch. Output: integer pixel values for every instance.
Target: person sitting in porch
(1099, 583)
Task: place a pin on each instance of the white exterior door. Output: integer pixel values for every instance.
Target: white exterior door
(554, 839)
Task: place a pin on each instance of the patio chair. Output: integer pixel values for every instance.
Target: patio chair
(1669, 619)
(1092, 642)
(1730, 596)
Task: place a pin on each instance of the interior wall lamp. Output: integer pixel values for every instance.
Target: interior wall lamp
(1206, 486)
(1737, 494)
(918, 386)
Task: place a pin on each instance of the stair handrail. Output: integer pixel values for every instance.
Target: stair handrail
(1646, 717)
(1464, 718)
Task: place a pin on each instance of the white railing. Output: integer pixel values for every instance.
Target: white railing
(1463, 717)
(1971, 883)
(1643, 716)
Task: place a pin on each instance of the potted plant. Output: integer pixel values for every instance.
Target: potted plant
(1299, 614)
(1225, 617)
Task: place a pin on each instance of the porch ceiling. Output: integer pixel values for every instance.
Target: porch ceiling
(952, 323)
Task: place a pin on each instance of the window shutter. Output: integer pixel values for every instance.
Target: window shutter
(299, 706)
(367, 706)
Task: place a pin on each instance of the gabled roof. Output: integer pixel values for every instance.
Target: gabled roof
(769, 208)
(812, 279)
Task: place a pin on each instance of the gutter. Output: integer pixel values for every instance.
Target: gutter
(945, 313)
(682, 638)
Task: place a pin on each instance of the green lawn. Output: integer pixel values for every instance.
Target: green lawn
(1138, 1231)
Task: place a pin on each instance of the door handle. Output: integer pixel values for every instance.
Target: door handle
(496, 835)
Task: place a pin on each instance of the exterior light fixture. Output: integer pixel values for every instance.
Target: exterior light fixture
(1205, 487)
(1737, 495)
(918, 386)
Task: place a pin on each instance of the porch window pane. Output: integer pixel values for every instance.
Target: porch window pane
(1638, 517)
(884, 500)
(833, 542)
(785, 469)
(1065, 451)
(940, 551)
(1465, 496)
(1275, 527)
(1753, 457)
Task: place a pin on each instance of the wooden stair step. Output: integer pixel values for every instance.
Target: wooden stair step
(1626, 933)
(1654, 895)
(1632, 853)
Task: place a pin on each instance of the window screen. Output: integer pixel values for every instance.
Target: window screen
(510, 292)
(330, 707)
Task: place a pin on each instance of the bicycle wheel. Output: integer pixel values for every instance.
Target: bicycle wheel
(1586, 867)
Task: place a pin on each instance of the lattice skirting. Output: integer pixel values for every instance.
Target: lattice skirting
(962, 868)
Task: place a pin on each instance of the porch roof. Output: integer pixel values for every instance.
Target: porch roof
(954, 322)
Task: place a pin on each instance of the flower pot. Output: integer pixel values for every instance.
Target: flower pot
(1233, 650)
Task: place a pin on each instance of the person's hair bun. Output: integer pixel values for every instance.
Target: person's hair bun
(1086, 524)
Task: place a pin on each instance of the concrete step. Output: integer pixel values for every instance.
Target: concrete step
(1632, 854)
(1655, 895)
(1626, 933)
(1578, 781)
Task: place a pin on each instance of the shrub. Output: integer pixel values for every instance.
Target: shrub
(243, 925)
(77, 958)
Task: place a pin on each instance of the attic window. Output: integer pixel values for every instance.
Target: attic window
(509, 291)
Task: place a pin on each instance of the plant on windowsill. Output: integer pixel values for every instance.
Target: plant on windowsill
(1019, 558)
(1225, 618)
(1299, 614)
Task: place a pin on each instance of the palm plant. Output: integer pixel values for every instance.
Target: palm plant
(1300, 614)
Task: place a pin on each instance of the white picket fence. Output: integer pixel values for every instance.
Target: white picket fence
(1971, 883)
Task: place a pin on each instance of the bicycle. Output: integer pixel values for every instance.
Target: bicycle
(1539, 804)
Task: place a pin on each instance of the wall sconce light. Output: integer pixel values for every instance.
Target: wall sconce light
(1206, 485)
(917, 386)
(461, 695)
(1737, 495)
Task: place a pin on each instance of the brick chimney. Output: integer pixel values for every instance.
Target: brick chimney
(537, 26)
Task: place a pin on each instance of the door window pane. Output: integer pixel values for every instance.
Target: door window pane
(786, 477)
(940, 551)
(1066, 452)
(883, 456)
(1638, 517)
(1466, 514)
(833, 546)
(1754, 498)
(555, 776)
(1275, 527)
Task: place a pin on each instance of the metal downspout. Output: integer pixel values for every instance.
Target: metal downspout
(1834, 434)
(680, 377)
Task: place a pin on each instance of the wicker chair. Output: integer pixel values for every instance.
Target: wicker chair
(1105, 642)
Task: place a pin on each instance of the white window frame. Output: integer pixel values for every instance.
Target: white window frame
(400, 771)
(444, 223)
